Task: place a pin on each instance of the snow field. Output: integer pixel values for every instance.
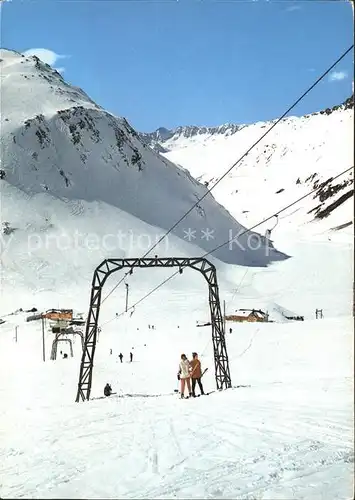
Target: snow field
(287, 432)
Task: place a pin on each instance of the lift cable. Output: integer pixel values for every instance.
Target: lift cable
(252, 147)
(240, 159)
(230, 240)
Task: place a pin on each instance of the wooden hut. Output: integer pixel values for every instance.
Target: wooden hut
(249, 316)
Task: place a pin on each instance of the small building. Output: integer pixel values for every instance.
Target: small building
(249, 316)
(59, 314)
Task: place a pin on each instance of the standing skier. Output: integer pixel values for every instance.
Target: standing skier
(196, 374)
(120, 356)
(130, 357)
(184, 375)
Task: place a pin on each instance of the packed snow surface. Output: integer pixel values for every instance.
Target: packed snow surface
(285, 429)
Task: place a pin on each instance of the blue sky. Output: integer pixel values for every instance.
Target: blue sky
(187, 62)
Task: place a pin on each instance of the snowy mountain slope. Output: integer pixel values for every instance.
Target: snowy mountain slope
(57, 244)
(57, 141)
(299, 154)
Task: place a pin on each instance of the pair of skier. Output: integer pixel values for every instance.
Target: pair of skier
(121, 357)
(190, 371)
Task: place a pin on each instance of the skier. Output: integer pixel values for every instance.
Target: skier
(65, 356)
(130, 357)
(230, 330)
(108, 390)
(110, 351)
(196, 374)
(184, 375)
(120, 356)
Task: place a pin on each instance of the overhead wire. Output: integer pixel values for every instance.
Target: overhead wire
(278, 212)
(251, 147)
(230, 240)
(118, 284)
(239, 285)
(249, 345)
(114, 288)
(319, 79)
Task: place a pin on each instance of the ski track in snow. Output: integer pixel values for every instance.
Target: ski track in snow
(177, 450)
(285, 433)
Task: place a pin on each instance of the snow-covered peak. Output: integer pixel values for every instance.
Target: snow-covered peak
(68, 165)
(39, 89)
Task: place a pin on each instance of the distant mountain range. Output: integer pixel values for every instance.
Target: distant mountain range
(299, 154)
(163, 135)
(163, 140)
